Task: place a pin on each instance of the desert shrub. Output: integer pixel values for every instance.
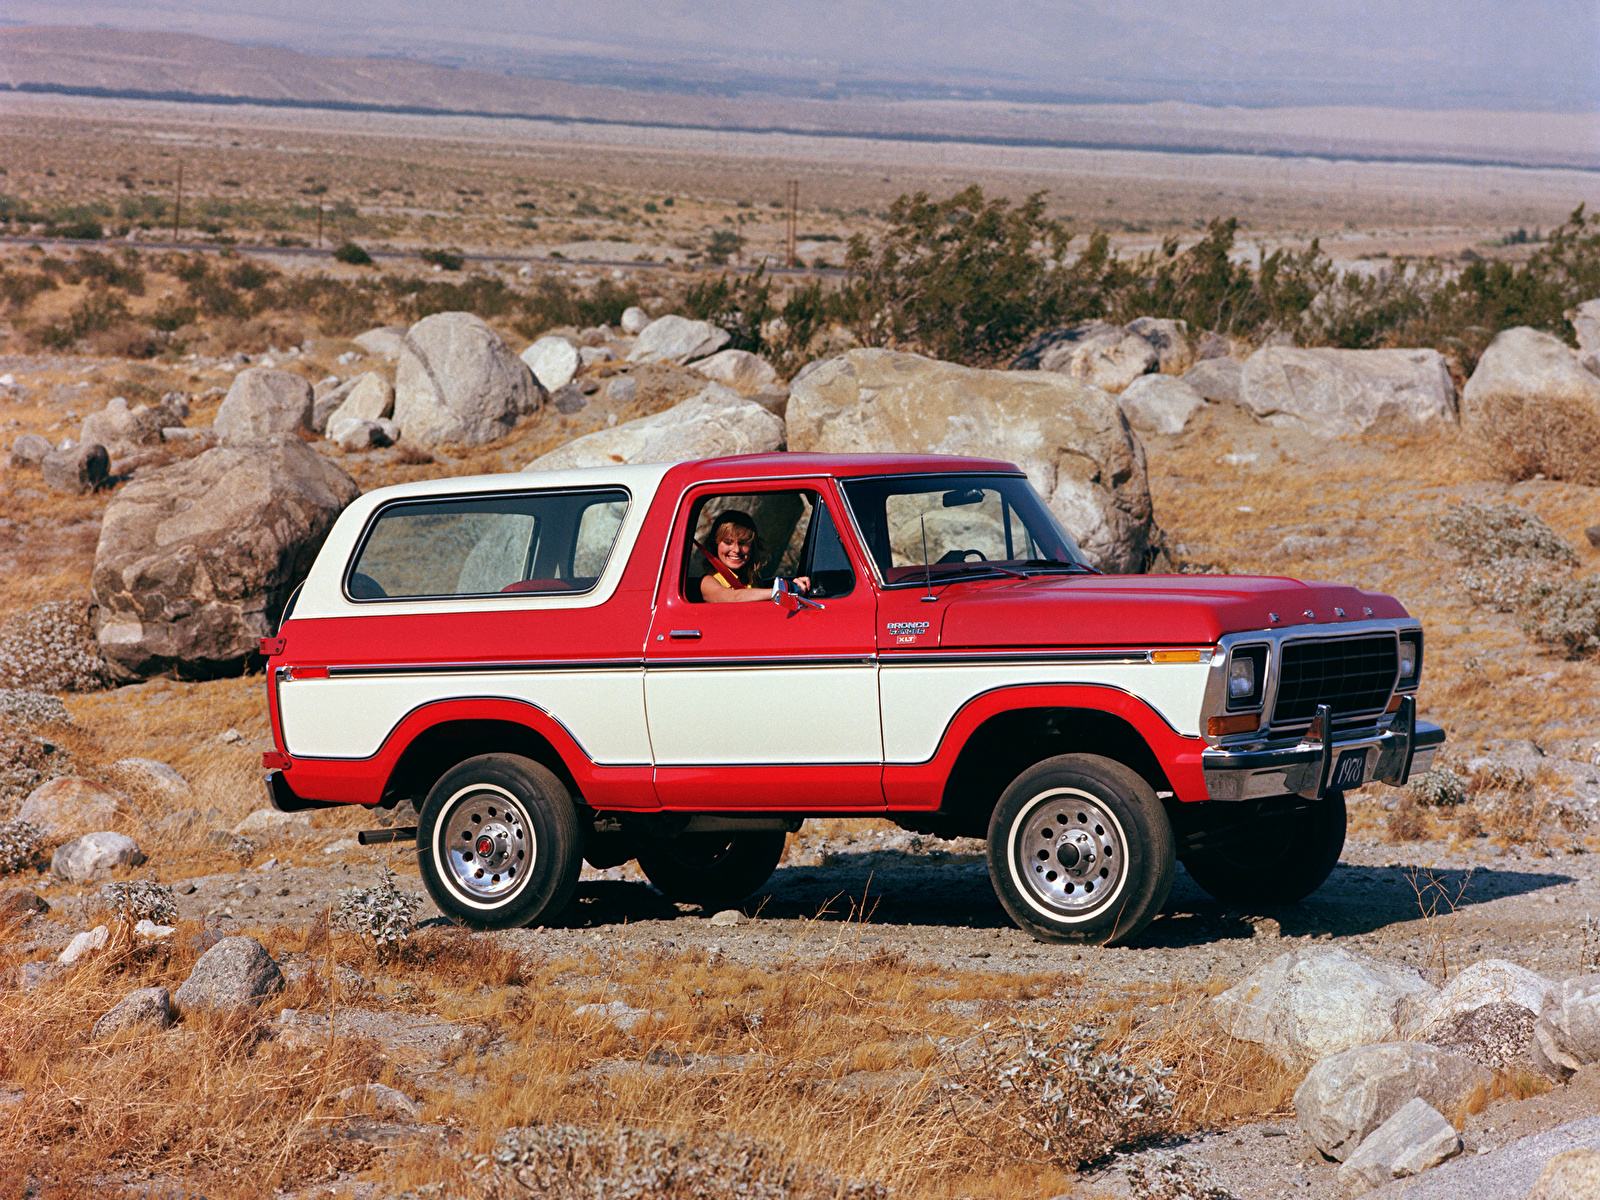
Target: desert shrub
(1563, 615)
(1484, 533)
(449, 260)
(99, 310)
(1039, 1097)
(381, 914)
(1555, 438)
(20, 845)
(1406, 823)
(141, 899)
(353, 254)
(741, 304)
(1502, 584)
(18, 288)
(723, 245)
(1439, 788)
(566, 1162)
(480, 294)
(1494, 777)
(250, 276)
(1174, 1177)
(555, 302)
(51, 647)
(111, 271)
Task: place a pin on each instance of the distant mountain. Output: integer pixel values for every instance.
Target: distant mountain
(176, 66)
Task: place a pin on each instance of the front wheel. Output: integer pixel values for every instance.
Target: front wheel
(498, 843)
(1080, 850)
(713, 870)
(1283, 859)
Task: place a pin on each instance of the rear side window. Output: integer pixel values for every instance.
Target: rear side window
(556, 543)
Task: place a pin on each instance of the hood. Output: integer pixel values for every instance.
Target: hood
(1146, 610)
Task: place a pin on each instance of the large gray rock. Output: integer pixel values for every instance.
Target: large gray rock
(1343, 392)
(553, 361)
(236, 972)
(1160, 404)
(1348, 1095)
(1536, 407)
(713, 423)
(353, 433)
(634, 320)
(1567, 1034)
(196, 559)
(1490, 981)
(740, 370)
(386, 341)
(261, 404)
(677, 339)
(1586, 324)
(1310, 1004)
(1570, 1175)
(1070, 438)
(119, 429)
(77, 469)
(1505, 1173)
(1216, 379)
(458, 382)
(154, 779)
(72, 804)
(146, 1008)
(94, 856)
(1168, 337)
(1097, 353)
(30, 449)
(1415, 1139)
(370, 398)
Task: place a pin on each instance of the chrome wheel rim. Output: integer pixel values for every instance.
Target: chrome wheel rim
(486, 842)
(1069, 855)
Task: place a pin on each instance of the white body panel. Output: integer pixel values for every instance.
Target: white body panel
(919, 701)
(745, 716)
(349, 717)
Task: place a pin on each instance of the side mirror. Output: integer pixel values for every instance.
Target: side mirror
(791, 601)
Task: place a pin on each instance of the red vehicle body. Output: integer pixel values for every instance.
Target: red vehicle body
(477, 644)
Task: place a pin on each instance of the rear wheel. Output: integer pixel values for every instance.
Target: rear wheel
(713, 870)
(498, 842)
(1080, 850)
(1283, 859)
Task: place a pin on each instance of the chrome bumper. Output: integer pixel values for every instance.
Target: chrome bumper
(1308, 767)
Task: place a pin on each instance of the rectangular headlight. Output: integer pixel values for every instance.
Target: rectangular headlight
(1247, 677)
(1410, 659)
(1241, 678)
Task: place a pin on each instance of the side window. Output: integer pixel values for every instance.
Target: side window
(781, 519)
(556, 542)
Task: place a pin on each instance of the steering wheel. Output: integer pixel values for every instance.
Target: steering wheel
(955, 556)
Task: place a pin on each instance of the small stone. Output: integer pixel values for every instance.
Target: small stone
(553, 361)
(271, 821)
(1593, 534)
(150, 931)
(619, 1014)
(729, 916)
(30, 450)
(148, 1007)
(83, 943)
(18, 904)
(31, 975)
(634, 320)
(76, 470)
(94, 856)
(1348, 1095)
(385, 1101)
(235, 972)
(249, 891)
(1411, 1141)
(186, 888)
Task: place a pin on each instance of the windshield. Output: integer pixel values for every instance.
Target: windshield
(971, 523)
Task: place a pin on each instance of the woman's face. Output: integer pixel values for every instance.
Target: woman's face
(733, 546)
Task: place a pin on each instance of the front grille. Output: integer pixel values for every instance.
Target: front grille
(1353, 675)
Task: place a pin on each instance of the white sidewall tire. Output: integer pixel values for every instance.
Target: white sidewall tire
(1025, 889)
(441, 852)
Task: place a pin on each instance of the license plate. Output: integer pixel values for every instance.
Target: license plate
(1350, 772)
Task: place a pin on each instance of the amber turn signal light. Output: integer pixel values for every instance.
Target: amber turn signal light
(1223, 726)
(1180, 656)
(1394, 703)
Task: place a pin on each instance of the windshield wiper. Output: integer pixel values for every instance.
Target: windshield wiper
(1055, 564)
(983, 566)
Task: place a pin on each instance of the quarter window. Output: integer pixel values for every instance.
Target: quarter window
(551, 542)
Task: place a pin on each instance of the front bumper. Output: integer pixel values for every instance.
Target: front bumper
(1318, 763)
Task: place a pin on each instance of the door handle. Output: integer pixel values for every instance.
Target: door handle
(685, 634)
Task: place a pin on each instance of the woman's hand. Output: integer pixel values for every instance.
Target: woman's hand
(802, 584)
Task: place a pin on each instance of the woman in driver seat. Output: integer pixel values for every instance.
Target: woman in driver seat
(733, 552)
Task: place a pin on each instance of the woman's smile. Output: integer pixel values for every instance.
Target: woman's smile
(735, 554)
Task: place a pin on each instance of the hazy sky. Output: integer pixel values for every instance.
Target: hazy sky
(1521, 54)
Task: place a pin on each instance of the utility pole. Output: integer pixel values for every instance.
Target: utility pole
(794, 210)
(177, 207)
(319, 220)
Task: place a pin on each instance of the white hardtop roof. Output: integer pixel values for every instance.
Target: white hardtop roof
(641, 479)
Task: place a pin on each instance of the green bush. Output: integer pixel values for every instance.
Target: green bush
(352, 254)
(741, 304)
(1485, 533)
(1563, 615)
(449, 260)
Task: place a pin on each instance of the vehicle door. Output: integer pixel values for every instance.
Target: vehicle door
(757, 705)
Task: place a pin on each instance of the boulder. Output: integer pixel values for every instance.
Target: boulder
(1070, 439)
(155, 779)
(370, 398)
(146, 1008)
(234, 973)
(329, 399)
(1160, 404)
(458, 382)
(1498, 1035)
(589, 355)
(1536, 407)
(77, 469)
(1348, 1095)
(1504, 1173)
(1110, 360)
(1415, 1139)
(1570, 1175)
(1048, 350)
(196, 559)
(1346, 392)
(677, 340)
(1491, 981)
(1586, 324)
(386, 341)
(1310, 1004)
(94, 856)
(714, 423)
(1169, 338)
(1216, 379)
(553, 361)
(120, 429)
(72, 804)
(84, 943)
(634, 320)
(261, 404)
(30, 449)
(352, 433)
(1567, 1034)
(740, 370)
